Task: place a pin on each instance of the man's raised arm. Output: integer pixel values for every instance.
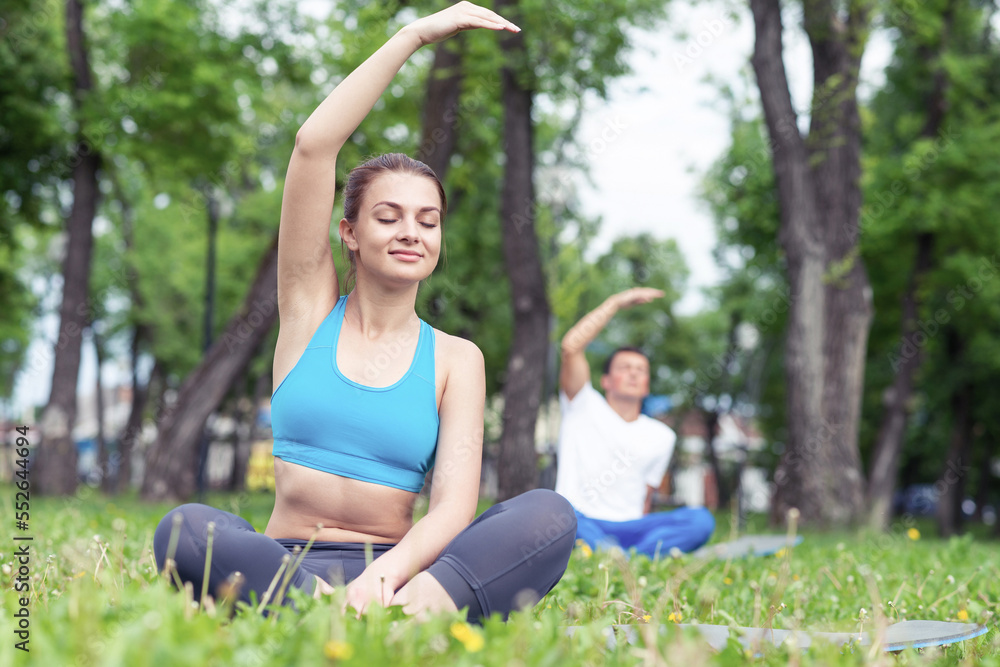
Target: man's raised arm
(575, 371)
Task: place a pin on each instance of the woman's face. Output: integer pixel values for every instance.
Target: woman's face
(397, 236)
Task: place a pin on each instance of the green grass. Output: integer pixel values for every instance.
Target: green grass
(98, 600)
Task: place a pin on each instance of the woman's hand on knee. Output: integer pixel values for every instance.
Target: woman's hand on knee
(463, 16)
(423, 595)
(365, 591)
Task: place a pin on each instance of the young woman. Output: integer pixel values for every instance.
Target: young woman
(369, 398)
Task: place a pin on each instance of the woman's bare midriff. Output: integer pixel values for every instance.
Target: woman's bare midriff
(349, 509)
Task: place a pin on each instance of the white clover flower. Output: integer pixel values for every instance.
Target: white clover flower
(438, 643)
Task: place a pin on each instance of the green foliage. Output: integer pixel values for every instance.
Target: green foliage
(579, 47)
(19, 305)
(33, 157)
(98, 600)
(33, 143)
(941, 181)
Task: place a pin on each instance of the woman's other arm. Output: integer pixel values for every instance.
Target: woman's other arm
(454, 484)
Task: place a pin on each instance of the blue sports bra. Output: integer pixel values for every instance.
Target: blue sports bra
(325, 421)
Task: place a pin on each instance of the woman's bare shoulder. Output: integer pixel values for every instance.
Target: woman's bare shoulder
(461, 350)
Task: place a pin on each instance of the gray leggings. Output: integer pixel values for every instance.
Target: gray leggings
(508, 558)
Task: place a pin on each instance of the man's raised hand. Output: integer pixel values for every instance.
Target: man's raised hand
(636, 296)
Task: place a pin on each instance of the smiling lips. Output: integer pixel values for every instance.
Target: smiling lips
(406, 255)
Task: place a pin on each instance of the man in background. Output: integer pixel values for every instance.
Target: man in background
(612, 457)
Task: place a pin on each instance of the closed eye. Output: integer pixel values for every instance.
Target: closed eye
(386, 220)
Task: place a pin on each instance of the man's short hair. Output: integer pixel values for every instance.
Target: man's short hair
(624, 348)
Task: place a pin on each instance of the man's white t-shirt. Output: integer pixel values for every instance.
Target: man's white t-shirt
(605, 462)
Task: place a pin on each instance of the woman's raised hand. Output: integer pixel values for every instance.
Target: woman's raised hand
(463, 16)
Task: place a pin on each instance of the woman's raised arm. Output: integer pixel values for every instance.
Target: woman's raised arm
(307, 280)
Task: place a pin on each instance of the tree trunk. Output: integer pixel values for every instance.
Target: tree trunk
(54, 469)
(983, 490)
(711, 421)
(245, 437)
(889, 444)
(101, 440)
(444, 86)
(171, 467)
(122, 463)
(723, 486)
(885, 459)
(242, 412)
(950, 487)
(830, 313)
(522, 388)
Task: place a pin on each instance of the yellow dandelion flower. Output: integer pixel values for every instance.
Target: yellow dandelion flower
(727, 581)
(913, 534)
(646, 618)
(585, 549)
(460, 631)
(963, 615)
(471, 639)
(781, 553)
(675, 617)
(335, 649)
(795, 577)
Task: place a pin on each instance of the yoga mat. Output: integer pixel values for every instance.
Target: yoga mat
(748, 545)
(898, 636)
